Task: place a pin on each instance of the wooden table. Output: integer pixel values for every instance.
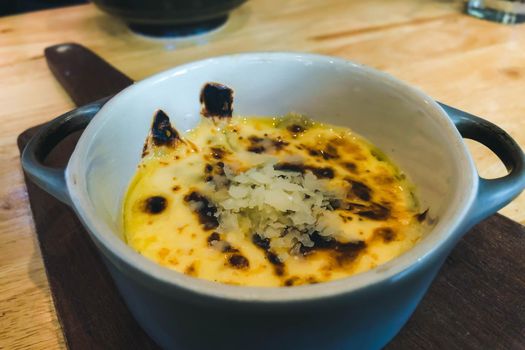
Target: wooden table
(474, 65)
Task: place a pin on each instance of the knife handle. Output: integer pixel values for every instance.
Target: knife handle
(84, 75)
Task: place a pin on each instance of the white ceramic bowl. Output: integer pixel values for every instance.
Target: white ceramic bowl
(363, 311)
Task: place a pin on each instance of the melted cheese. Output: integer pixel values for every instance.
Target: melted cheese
(164, 226)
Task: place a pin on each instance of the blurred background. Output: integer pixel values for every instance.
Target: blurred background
(10, 7)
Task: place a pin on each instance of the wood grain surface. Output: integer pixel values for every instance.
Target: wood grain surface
(471, 64)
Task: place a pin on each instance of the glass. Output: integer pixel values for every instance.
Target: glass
(502, 11)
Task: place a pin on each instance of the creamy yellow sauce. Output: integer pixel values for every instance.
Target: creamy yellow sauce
(162, 223)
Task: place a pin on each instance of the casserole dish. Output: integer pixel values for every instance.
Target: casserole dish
(364, 311)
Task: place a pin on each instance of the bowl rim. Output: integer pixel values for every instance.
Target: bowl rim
(147, 272)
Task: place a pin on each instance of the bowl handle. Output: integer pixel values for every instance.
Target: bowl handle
(50, 179)
(493, 194)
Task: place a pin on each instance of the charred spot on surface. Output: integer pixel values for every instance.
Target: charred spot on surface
(238, 261)
(278, 265)
(162, 133)
(227, 248)
(422, 216)
(295, 124)
(375, 212)
(264, 244)
(191, 270)
(155, 204)
(387, 234)
(220, 170)
(296, 129)
(350, 249)
(319, 172)
(314, 152)
(330, 152)
(335, 203)
(279, 143)
(355, 206)
(289, 282)
(214, 240)
(276, 262)
(350, 166)
(256, 149)
(320, 242)
(256, 144)
(213, 237)
(216, 100)
(293, 167)
(345, 218)
(343, 252)
(360, 190)
(204, 208)
(145, 149)
(347, 252)
(217, 152)
(213, 169)
(322, 172)
(377, 154)
(259, 144)
(295, 281)
(175, 188)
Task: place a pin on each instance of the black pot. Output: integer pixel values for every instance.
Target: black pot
(160, 17)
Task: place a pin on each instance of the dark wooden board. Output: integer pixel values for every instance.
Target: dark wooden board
(478, 299)
(476, 302)
(84, 75)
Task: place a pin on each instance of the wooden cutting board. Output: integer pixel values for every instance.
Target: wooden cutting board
(476, 302)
